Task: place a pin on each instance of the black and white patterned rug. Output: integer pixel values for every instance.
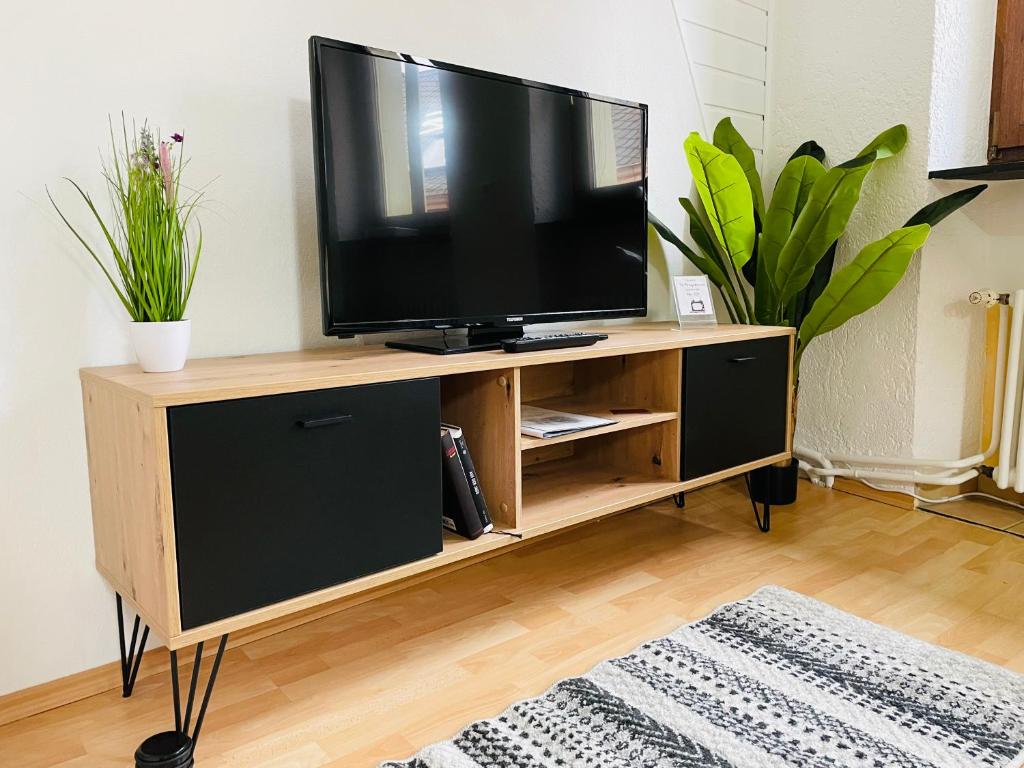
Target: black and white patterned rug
(777, 679)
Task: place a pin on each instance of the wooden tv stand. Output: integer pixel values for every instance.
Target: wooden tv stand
(199, 548)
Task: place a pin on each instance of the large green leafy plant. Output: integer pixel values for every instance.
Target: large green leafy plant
(772, 260)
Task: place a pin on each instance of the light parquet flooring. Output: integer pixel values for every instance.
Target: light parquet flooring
(384, 678)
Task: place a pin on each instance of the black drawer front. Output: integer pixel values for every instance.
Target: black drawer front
(734, 404)
(282, 495)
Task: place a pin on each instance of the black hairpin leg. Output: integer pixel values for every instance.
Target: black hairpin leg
(176, 749)
(764, 522)
(131, 657)
(679, 499)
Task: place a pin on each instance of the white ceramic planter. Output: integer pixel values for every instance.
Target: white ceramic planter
(161, 347)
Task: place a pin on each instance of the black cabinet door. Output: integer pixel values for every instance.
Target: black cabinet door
(282, 495)
(734, 404)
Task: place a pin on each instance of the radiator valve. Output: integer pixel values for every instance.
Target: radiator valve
(988, 298)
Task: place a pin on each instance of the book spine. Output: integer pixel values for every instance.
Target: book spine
(458, 496)
(474, 482)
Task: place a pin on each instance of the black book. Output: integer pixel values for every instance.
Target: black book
(459, 509)
(474, 481)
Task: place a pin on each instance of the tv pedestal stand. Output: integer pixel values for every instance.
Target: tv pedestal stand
(478, 339)
(306, 431)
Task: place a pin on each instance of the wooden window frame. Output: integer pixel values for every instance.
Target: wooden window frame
(1006, 125)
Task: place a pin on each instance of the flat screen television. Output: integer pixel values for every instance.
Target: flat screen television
(448, 197)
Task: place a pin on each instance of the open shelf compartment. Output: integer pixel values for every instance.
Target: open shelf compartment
(647, 383)
(539, 485)
(486, 406)
(575, 405)
(569, 483)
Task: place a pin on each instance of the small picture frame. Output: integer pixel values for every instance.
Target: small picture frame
(694, 305)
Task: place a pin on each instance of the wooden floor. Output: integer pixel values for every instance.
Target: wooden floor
(384, 678)
(985, 512)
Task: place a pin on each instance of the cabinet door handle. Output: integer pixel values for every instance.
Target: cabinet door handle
(742, 359)
(324, 421)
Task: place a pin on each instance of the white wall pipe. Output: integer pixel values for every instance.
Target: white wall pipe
(892, 477)
(1006, 458)
(1000, 407)
(1014, 474)
(828, 471)
(946, 472)
(999, 404)
(805, 455)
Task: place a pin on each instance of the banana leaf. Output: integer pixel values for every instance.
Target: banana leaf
(749, 270)
(804, 300)
(863, 283)
(700, 261)
(889, 142)
(706, 264)
(728, 139)
(701, 234)
(936, 211)
(791, 193)
(931, 214)
(821, 222)
(809, 149)
(700, 231)
(765, 299)
(726, 195)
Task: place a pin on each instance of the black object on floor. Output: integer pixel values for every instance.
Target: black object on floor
(169, 749)
(771, 485)
(176, 749)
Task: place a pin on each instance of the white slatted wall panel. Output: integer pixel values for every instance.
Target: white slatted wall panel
(727, 41)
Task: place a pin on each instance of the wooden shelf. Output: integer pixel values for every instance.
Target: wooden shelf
(227, 378)
(579, 406)
(531, 489)
(455, 549)
(1007, 171)
(560, 493)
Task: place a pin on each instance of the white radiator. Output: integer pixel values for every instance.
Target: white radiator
(1009, 414)
(1005, 445)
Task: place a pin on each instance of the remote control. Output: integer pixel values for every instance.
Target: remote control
(552, 341)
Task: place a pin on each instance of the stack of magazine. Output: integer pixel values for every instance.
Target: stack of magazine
(465, 511)
(543, 422)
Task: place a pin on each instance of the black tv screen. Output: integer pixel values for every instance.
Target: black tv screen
(452, 197)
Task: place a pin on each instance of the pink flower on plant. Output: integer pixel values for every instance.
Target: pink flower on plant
(167, 171)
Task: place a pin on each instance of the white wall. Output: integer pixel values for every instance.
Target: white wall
(979, 247)
(905, 378)
(843, 72)
(726, 41)
(233, 76)
(965, 32)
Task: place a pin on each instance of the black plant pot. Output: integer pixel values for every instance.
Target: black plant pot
(775, 485)
(170, 749)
